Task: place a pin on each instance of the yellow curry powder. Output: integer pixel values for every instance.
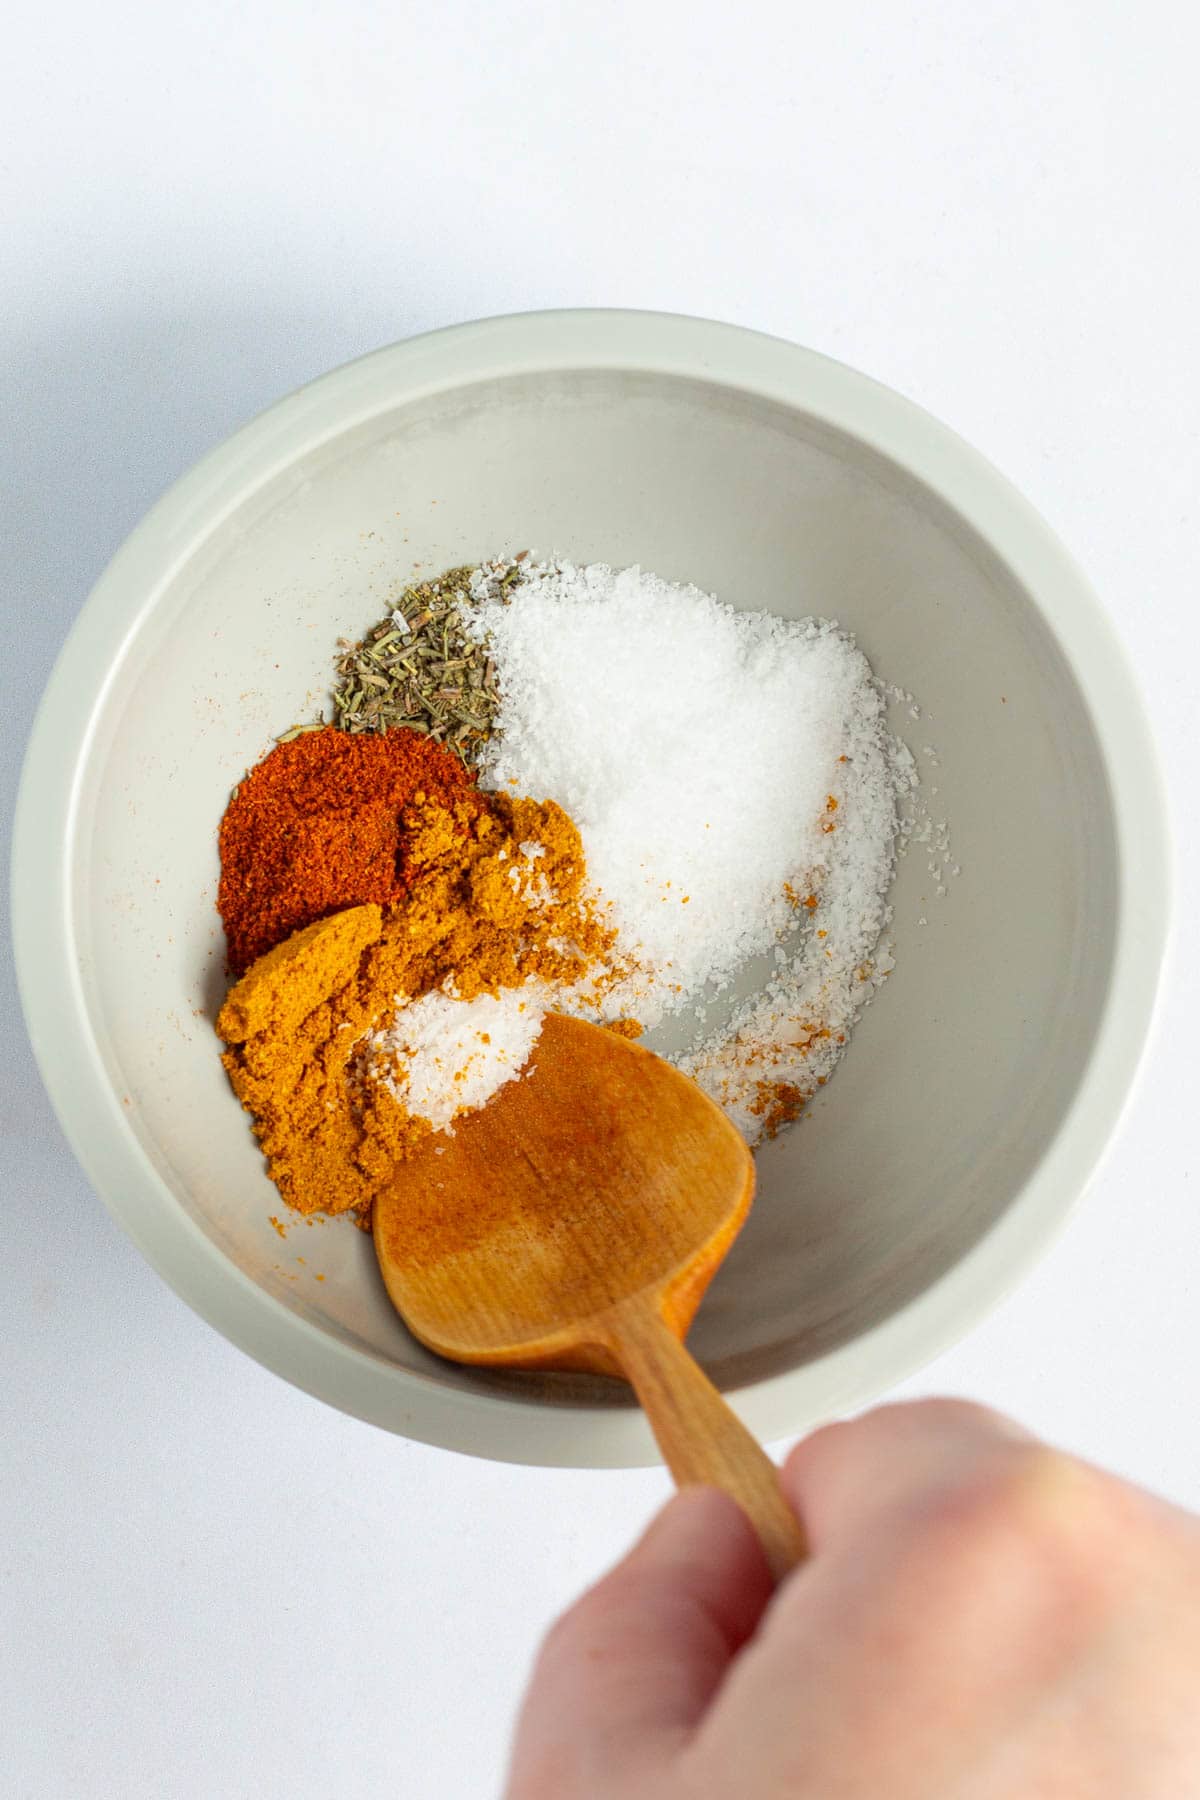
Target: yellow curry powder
(295, 1023)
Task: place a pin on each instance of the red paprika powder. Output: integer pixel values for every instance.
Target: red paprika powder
(317, 825)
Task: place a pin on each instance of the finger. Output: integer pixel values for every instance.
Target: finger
(847, 1475)
(627, 1673)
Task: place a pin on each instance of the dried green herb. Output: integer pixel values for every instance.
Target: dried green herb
(418, 668)
(295, 731)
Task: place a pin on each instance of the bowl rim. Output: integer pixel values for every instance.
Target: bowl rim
(354, 1379)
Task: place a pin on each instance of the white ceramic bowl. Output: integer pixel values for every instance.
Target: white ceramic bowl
(979, 1090)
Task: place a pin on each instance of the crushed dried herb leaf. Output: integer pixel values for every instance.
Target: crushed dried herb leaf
(418, 668)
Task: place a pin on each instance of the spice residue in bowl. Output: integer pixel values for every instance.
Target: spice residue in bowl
(710, 841)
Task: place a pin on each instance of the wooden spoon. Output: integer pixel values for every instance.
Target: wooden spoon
(574, 1223)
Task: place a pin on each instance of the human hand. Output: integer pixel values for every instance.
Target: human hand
(982, 1618)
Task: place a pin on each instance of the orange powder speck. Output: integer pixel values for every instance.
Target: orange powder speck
(274, 1222)
(777, 1103)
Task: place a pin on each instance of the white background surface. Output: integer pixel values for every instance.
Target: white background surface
(212, 1585)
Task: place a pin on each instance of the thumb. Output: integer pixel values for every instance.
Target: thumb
(625, 1675)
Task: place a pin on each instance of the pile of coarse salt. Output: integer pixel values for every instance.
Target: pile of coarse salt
(735, 786)
(446, 1055)
(736, 789)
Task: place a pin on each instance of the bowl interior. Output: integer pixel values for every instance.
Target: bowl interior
(960, 1071)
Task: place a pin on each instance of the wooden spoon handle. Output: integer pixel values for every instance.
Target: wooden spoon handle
(701, 1437)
